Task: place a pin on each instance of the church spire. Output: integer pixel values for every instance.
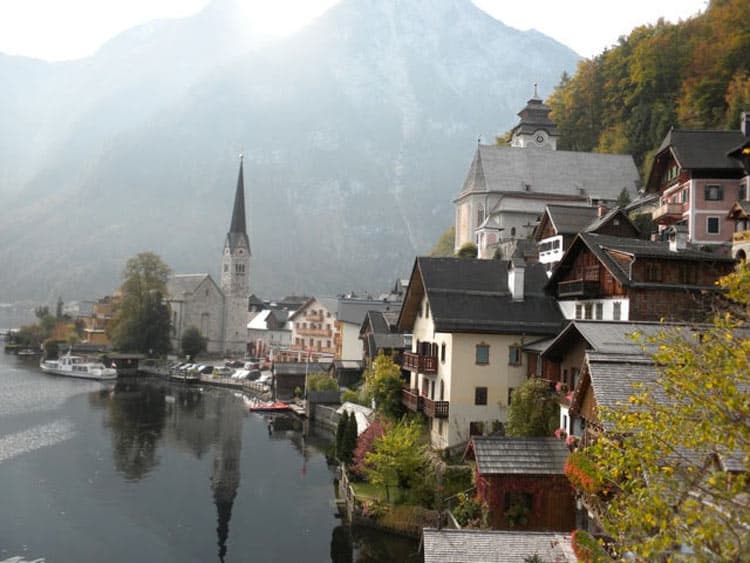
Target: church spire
(238, 213)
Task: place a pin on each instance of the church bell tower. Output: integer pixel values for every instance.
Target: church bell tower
(235, 274)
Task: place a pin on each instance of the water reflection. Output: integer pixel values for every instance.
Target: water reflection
(156, 427)
(136, 417)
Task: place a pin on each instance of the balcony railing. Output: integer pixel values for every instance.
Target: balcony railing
(435, 409)
(668, 213)
(324, 332)
(578, 288)
(411, 399)
(419, 363)
(741, 236)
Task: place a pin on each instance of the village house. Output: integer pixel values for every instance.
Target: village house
(469, 320)
(314, 331)
(560, 224)
(565, 355)
(740, 211)
(603, 277)
(269, 331)
(698, 182)
(379, 334)
(351, 312)
(507, 187)
(523, 482)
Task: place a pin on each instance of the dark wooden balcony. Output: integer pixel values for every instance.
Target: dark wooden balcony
(435, 409)
(421, 364)
(411, 399)
(578, 288)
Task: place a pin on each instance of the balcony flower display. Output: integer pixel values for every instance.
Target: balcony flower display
(583, 473)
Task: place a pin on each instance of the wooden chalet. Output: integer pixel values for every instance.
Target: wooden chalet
(602, 277)
(523, 482)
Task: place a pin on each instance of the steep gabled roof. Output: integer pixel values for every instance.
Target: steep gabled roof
(473, 296)
(697, 149)
(703, 149)
(504, 455)
(570, 219)
(562, 173)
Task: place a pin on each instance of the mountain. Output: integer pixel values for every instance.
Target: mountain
(357, 133)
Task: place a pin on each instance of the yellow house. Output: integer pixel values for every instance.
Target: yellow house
(469, 320)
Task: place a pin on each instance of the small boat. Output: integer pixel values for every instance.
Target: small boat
(78, 366)
(268, 406)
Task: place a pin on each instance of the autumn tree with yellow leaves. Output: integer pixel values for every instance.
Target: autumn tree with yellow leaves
(673, 462)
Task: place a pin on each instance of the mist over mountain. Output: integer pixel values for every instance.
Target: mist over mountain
(357, 133)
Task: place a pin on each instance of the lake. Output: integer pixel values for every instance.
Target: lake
(148, 470)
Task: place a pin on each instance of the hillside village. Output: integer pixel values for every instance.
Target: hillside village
(569, 256)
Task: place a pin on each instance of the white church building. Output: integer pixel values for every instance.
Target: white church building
(219, 311)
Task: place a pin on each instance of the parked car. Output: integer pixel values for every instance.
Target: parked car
(205, 369)
(240, 374)
(222, 371)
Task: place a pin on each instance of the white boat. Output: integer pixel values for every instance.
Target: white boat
(78, 366)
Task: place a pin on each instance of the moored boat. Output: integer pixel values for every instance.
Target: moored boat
(268, 406)
(78, 366)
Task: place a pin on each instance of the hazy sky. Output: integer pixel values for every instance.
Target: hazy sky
(66, 29)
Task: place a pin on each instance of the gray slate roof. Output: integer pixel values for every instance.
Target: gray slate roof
(503, 455)
(702, 149)
(300, 368)
(473, 296)
(613, 377)
(609, 337)
(571, 219)
(182, 284)
(481, 546)
(354, 311)
(567, 173)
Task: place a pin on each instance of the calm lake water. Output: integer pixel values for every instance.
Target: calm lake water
(146, 470)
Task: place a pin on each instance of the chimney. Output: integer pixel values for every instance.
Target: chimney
(745, 123)
(516, 278)
(678, 238)
(601, 210)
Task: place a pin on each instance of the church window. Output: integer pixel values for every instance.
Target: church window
(226, 267)
(512, 231)
(480, 215)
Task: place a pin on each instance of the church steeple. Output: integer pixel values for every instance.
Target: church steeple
(238, 212)
(237, 235)
(235, 273)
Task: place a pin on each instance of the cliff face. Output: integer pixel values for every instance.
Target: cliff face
(357, 132)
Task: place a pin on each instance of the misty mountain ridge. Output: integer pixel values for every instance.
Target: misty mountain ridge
(357, 133)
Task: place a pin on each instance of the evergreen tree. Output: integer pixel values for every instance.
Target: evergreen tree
(349, 441)
(340, 431)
